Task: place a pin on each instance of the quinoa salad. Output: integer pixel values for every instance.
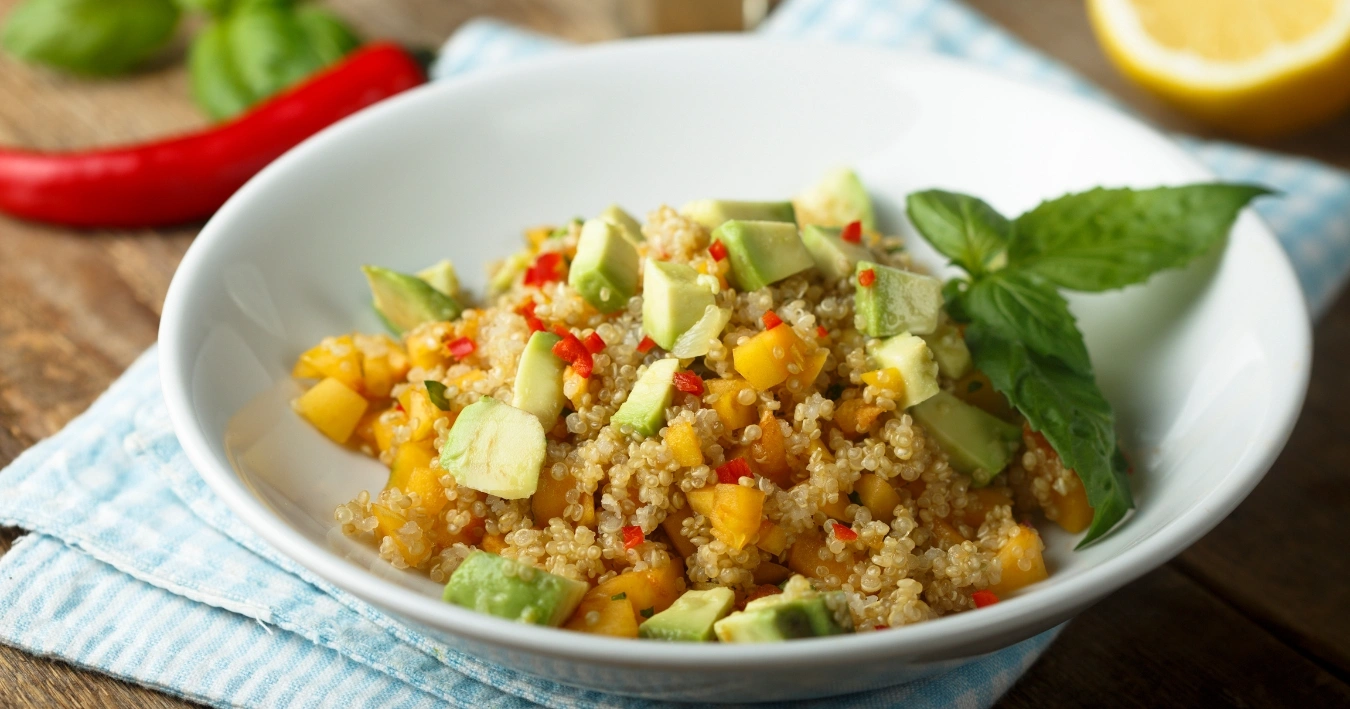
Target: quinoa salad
(729, 422)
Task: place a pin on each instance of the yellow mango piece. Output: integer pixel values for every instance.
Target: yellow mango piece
(426, 349)
(801, 383)
(389, 523)
(736, 514)
(426, 482)
(804, 558)
(682, 440)
(383, 370)
(408, 457)
(383, 428)
(733, 414)
(653, 589)
(888, 378)
(577, 385)
(1022, 562)
(981, 501)
(763, 360)
(1074, 512)
(365, 428)
(945, 535)
(550, 498)
(878, 496)
(333, 408)
(772, 538)
(334, 357)
(855, 418)
(536, 236)
(701, 501)
(673, 525)
(494, 543)
(417, 403)
(769, 453)
(770, 573)
(838, 509)
(603, 615)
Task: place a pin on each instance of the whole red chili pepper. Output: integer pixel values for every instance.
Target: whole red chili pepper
(188, 177)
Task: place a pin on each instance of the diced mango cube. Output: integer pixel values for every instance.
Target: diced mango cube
(494, 543)
(673, 525)
(855, 418)
(980, 501)
(800, 383)
(550, 498)
(772, 538)
(769, 572)
(408, 457)
(426, 482)
(426, 347)
(417, 403)
(333, 407)
(653, 589)
(878, 496)
(1073, 512)
(389, 524)
(763, 360)
(383, 363)
(736, 514)
(600, 614)
(733, 414)
(334, 357)
(945, 535)
(701, 501)
(769, 453)
(384, 425)
(838, 509)
(804, 558)
(1021, 560)
(365, 428)
(682, 440)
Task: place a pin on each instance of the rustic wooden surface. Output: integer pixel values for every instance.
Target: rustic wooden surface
(1252, 615)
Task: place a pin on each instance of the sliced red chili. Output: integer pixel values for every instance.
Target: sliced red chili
(461, 347)
(527, 311)
(852, 232)
(594, 343)
(732, 471)
(547, 267)
(689, 383)
(646, 345)
(983, 598)
(821, 331)
(717, 250)
(867, 278)
(771, 320)
(632, 536)
(844, 534)
(570, 350)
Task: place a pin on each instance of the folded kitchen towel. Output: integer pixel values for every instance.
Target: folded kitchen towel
(135, 569)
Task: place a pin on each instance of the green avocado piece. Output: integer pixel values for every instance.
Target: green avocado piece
(949, 349)
(513, 590)
(762, 252)
(405, 301)
(506, 274)
(442, 277)
(645, 407)
(896, 301)
(977, 443)
(674, 298)
(690, 618)
(711, 213)
(798, 612)
(625, 221)
(539, 380)
(496, 449)
(911, 357)
(837, 199)
(833, 256)
(605, 269)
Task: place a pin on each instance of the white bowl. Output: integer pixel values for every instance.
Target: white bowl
(1207, 368)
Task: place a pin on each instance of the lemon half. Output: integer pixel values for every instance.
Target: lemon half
(1256, 68)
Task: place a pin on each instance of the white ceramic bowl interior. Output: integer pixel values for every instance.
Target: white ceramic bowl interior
(1206, 367)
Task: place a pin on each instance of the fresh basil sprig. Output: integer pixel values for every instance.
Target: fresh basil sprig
(96, 37)
(1019, 328)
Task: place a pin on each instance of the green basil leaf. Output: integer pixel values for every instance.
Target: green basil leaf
(1111, 238)
(436, 392)
(964, 228)
(1069, 410)
(99, 37)
(1022, 309)
(216, 85)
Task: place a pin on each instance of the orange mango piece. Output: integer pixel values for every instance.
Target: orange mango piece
(1021, 560)
(335, 357)
(733, 414)
(804, 558)
(333, 407)
(682, 440)
(736, 514)
(878, 496)
(769, 453)
(772, 538)
(603, 615)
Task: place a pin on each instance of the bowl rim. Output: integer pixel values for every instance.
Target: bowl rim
(938, 637)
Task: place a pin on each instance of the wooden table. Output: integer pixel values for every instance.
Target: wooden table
(1253, 615)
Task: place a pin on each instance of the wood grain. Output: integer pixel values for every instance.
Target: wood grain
(1250, 616)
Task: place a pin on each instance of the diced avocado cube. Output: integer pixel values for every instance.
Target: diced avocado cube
(605, 269)
(837, 199)
(949, 349)
(441, 276)
(405, 301)
(697, 340)
(797, 612)
(506, 274)
(833, 256)
(645, 407)
(625, 221)
(690, 618)
(673, 299)
(495, 449)
(513, 590)
(539, 380)
(896, 301)
(711, 213)
(977, 443)
(910, 356)
(762, 252)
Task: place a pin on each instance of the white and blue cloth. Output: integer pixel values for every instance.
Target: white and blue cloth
(135, 569)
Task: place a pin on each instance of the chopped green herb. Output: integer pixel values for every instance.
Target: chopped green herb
(834, 391)
(647, 612)
(619, 596)
(855, 498)
(436, 392)
(974, 386)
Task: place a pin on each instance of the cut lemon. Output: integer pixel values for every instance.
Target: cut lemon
(1256, 68)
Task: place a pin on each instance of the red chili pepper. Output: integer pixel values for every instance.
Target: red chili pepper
(548, 267)
(594, 342)
(733, 470)
(461, 347)
(398, 405)
(527, 311)
(689, 383)
(717, 250)
(821, 331)
(844, 534)
(188, 177)
(867, 278)
(646, 345)
(632, 536)
(852, 232)
(983, 598)
(771, 320)
(570, 350)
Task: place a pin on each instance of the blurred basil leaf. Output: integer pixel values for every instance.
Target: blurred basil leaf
(215, 7)
(260, 48)
(100, 37)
